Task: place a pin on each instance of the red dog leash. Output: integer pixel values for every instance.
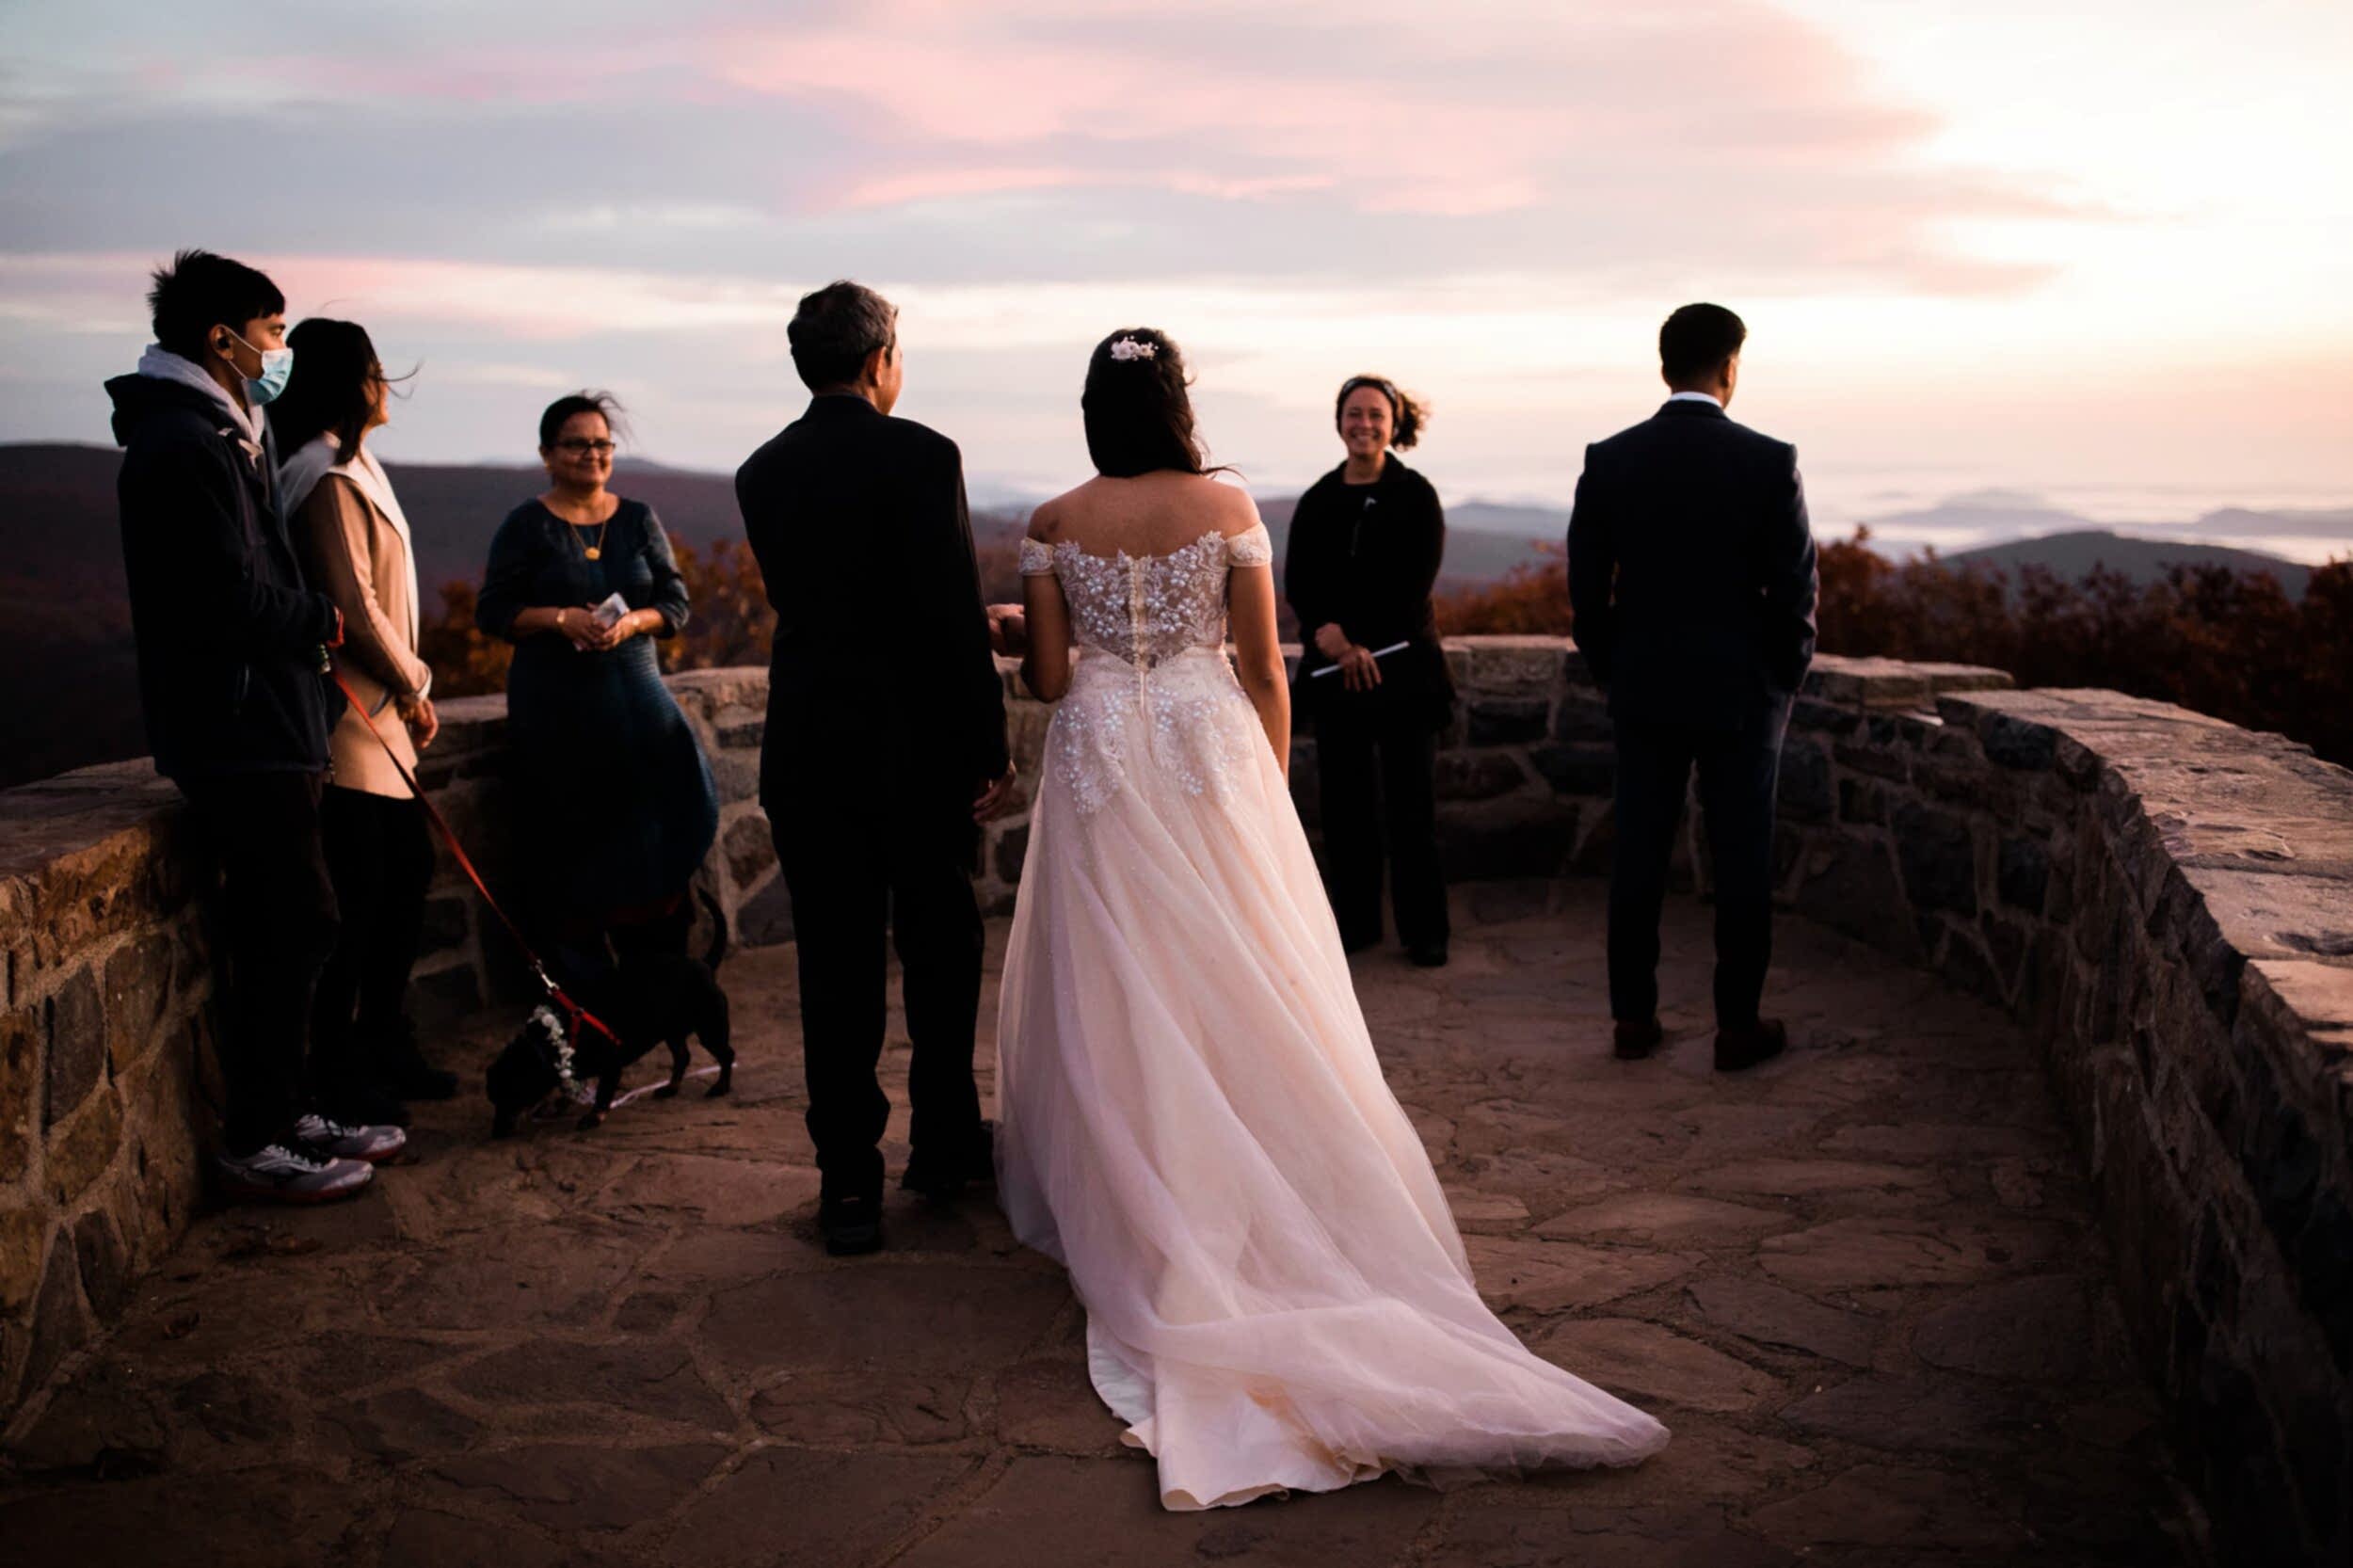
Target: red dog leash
(577, 1014)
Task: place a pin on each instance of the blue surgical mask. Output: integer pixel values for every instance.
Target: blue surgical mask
(277, 368)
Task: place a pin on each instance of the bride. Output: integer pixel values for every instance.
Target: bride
(1192, 1118)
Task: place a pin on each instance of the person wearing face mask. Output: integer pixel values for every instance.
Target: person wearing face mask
(232, 644)
(1366, 543)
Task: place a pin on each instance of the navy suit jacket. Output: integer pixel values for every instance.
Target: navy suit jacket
(1691, 570)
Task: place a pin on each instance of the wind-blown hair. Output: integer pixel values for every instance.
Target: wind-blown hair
(332, 387)
(1407, 413)
(587, 401)
(1137, 413)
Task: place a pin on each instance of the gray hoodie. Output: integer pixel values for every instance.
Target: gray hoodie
(165, 365)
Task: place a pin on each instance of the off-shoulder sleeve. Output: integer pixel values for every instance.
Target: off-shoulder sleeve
(1037, 557)
(1252, 547)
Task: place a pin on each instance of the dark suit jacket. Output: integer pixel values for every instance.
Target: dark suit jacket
(1692, 572)
(882, 670)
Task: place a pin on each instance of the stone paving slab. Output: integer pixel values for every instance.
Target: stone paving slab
(1862, 1285)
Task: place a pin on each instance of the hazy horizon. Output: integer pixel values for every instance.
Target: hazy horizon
(2093, 257)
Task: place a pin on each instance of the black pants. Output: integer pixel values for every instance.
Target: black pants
(855, 886)
(278, 927)
(380, 860)
(1374, 773)
(1738, 768)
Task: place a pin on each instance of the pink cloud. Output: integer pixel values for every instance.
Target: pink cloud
(934, 184)
(1457, 114)
(102, 293)
(1557, 131)
(1463, 112)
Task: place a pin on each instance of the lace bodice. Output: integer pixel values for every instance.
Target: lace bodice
(1151, 679)
(1147, 608)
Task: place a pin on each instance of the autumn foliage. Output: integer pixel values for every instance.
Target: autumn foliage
(2221, 642)
(730, 624)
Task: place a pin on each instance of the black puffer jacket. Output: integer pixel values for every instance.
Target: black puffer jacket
(229, 637)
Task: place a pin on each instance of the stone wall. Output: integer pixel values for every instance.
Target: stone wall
(104, 1054)
(2168, 899)
(468, 960)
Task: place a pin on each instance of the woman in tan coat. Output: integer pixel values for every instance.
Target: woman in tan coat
(356, 549)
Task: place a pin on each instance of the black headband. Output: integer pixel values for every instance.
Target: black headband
(1388, 389)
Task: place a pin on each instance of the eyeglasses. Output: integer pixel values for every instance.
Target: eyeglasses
(577, 447)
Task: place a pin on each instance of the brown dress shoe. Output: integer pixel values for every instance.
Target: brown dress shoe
(1638, 1037)
(1761, 1041)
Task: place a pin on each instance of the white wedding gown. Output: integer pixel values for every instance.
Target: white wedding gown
(1193, 1120)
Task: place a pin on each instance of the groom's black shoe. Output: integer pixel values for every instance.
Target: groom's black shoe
(1426, 955)
(1761, 1041)
(942, 1179)
(852, 1222)
(1635, 1038)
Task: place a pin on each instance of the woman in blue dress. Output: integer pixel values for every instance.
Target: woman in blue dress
(619, 804)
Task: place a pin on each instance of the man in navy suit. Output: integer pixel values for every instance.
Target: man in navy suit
(1692, 582)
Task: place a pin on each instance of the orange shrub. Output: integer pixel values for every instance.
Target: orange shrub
(1527, 600)
(466, 661)
(730, 623)
(2222, 642)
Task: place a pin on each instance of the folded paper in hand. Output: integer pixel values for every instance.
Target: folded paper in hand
(611, 611)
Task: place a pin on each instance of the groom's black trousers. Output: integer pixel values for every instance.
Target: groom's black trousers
(1739, 768)
(855, 886)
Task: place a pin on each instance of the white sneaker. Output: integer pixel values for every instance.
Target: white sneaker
(340, 1141)
(286, 1175)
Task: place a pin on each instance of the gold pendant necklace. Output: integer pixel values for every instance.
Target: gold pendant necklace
(596, 552)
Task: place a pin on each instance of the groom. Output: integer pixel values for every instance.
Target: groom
(1692, 582)
(881, 670)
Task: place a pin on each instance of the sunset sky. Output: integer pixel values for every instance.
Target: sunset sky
(2097, 249)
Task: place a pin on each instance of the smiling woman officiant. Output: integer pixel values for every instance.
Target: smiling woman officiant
(1366, 544)
(621, 808)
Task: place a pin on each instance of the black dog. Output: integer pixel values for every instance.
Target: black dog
(656, 992)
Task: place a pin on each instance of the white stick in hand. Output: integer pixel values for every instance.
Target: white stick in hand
(1378, 654)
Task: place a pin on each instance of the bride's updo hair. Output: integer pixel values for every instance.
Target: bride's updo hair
(1138, 415)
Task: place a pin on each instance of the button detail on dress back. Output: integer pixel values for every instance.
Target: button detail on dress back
(1152, 684)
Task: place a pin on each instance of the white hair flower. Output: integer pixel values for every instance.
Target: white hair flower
(1134, 349)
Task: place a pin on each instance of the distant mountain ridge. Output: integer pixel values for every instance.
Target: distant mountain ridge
(63, 613)
(2074, 555)
(57, 505)
(1988, 517)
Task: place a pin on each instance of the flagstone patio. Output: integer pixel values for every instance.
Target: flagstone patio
(1862, 1285)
